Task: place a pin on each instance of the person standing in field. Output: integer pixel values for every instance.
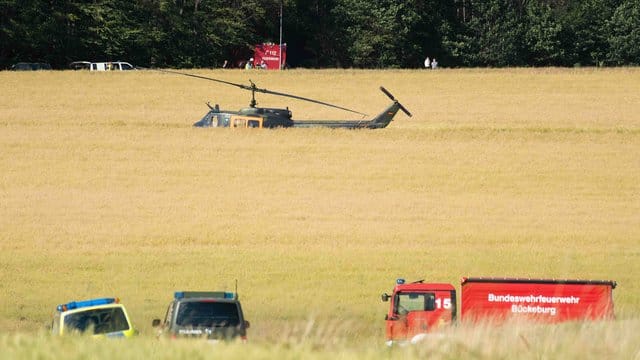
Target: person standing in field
(434, 64)
(249, 64)
(427, 63)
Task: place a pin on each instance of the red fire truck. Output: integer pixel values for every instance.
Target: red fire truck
(419, 308)
(269, 56)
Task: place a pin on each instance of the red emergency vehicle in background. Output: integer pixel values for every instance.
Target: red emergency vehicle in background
(270, 56)
(420, 308)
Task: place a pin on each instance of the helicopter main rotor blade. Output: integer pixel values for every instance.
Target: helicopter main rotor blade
(264, 91)
(310, 100)
(205, 78)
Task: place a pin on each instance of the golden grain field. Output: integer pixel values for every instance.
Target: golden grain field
(107, 190)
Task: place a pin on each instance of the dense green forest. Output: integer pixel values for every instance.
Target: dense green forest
(323, 33)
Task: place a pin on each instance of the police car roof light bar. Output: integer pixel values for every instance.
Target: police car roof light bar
(204, 294)
(86, 303)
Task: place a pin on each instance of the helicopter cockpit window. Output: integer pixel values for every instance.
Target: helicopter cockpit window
(206, 121)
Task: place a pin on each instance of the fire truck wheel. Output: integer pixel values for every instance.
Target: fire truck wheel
(418, 338)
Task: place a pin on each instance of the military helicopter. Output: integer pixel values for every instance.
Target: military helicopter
(259, 117)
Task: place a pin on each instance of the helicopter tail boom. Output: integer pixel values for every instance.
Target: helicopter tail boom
(379, 122)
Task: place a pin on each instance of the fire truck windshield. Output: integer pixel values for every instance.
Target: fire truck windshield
(414, 301)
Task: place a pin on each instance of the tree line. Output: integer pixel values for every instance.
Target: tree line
(323, 33)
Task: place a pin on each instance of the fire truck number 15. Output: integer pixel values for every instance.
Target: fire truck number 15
(443, 303)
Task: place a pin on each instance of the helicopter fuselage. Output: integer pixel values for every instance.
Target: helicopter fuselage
(257, 117)
(250, 117)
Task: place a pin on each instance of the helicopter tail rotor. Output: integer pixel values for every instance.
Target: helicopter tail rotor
(386, 92)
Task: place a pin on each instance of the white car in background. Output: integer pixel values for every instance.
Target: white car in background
(102, 66)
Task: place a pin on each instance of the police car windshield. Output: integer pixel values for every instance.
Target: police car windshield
(97, 321)
(207, 314)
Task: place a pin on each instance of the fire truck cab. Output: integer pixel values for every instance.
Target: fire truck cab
(418, 308)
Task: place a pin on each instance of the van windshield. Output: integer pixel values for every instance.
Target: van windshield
(208, 314)
(97, 321)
